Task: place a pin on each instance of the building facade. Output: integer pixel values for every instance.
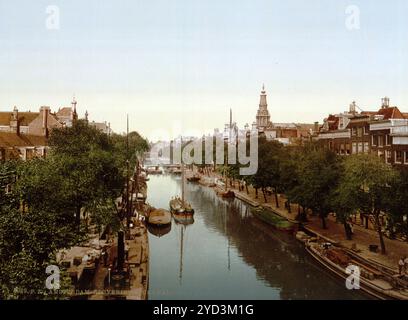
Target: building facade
(383, 133)
(24, 135)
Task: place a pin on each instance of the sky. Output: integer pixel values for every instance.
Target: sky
(178, 66)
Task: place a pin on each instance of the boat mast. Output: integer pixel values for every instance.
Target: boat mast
(182, 172)
(181, 254)
(128, 208)
(182, 183)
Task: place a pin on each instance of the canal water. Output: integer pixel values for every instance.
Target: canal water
(229, 254)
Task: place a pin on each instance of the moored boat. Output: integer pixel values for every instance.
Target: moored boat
(194, 178)
(226, 194)
(176, 171)
(183, 218)
(273, 219)
(372, 281)
(159, 217)
(177, 205)
(159, 231)
(154, 170)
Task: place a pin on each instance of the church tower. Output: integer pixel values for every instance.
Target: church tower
(74, 115)
(262, 115)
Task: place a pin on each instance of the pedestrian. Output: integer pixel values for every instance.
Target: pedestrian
(351, 227)
(401, 266)
(105, 257)
(126, 251)
(406, 265)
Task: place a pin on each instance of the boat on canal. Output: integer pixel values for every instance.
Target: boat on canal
(159, 231)
(194, 178)
(159, 218)
(273, 219)
(372, 281)
(183, 218)
(226, 194)
(180, 205)
(154, 170)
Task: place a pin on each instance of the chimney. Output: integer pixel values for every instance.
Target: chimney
(14, 123)
(352, 108)
(44, 114)
(385, 102)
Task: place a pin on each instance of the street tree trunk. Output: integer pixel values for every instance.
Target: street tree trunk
(322, 217)
(78, 215)
(378, 223)
(301, 216)
(264, 194)
(347, 230)
(276, 198)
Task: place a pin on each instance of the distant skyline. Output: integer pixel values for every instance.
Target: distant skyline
(179, 66)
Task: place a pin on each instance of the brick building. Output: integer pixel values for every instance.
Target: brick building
(23, 135)
(383, 132)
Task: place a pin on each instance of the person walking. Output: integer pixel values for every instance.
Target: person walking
(401, 266)
(406, 265)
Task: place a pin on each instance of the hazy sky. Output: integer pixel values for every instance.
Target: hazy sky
(180, 65)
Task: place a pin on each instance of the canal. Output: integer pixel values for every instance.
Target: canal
(228, 254)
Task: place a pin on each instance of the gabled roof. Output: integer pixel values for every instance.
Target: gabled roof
(10, 139)
(64, 112)
(24, 117)
(390, 113)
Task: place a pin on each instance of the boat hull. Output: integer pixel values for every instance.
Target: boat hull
(159, 217)
(274, 220)
(365, 285)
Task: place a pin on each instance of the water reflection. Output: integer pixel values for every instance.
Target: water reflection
(158, 231)
(228, 254)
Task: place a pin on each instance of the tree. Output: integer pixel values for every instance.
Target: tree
(268, 174)
(85, 162)
(366, 183)
(288, 176)
(28, 243)
(83, 173)
(317, 174)
(398, 204)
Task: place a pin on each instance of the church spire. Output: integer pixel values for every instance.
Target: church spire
(74, 112)
(262, 115)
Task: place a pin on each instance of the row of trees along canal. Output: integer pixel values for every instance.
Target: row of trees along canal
(84, 172)
(321, 182)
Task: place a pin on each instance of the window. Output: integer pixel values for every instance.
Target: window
(360, 147)
(348, 148)
(360, 132)
(354, 131)
(366, 130)
(406, 157)
(366, 147)
(388, 140)
(388, 156)
(374, 140)
(398, 156)
(354, 148)
(380, 141)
